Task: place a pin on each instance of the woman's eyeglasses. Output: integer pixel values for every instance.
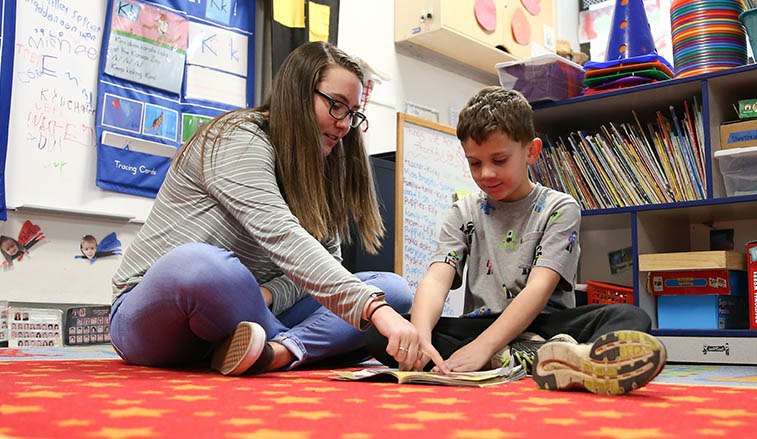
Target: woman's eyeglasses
(339, 110)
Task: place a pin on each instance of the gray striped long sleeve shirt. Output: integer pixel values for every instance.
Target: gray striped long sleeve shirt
(238, 206)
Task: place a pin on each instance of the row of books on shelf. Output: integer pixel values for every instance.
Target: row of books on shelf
(629, 163)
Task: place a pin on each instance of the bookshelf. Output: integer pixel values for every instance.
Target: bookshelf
(667, 226)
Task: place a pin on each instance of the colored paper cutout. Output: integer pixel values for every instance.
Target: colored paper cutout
(532, 6)
(521, 28)
(289, 13)
(486, 14)
(218, 10)
(319, 21)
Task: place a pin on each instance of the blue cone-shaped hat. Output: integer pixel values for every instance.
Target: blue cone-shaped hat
(630, 34)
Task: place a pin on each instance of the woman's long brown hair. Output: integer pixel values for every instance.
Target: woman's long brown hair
(324, 193)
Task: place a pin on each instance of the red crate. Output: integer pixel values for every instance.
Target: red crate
(600, 292)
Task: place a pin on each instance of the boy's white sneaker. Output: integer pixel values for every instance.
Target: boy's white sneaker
(615, 363)
(523, 349)
(240, 351)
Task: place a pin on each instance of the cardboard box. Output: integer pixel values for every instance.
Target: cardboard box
(738, 134)
(704, 260)
(751, 249)
(728, 282)
(708, 311)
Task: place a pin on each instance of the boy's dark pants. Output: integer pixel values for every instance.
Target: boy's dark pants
(584, 323)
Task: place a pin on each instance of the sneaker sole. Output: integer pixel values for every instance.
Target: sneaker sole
(617, 362)
(240, 351)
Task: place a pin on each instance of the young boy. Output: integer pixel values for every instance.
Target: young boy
(520, 243)
(88, 246)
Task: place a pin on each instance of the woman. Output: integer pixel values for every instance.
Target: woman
(240, 253)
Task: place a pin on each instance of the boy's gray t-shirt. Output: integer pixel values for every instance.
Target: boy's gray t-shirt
(501, 241)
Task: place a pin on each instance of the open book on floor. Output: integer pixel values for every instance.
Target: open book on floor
(483, 378)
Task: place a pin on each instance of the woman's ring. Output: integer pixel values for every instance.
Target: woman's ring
(402, 348)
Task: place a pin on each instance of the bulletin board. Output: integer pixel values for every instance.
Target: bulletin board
(430, 169)
(53, 134)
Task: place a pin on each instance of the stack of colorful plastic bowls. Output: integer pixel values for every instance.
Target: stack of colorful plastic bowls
(707, 36)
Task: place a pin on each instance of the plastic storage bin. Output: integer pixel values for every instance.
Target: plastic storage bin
(543, 78)
(600, 292)
(739, 169)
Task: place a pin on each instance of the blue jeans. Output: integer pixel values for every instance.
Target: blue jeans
(194, 296)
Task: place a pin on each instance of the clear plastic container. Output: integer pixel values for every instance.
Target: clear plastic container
(543, 78)
(739, 169)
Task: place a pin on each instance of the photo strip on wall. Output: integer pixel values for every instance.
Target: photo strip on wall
(87, 325)
(34, 327)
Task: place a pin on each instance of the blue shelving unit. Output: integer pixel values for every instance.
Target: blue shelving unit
(668, 227)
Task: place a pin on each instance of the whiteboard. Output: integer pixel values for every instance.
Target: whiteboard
(431, 168)
(52, 155)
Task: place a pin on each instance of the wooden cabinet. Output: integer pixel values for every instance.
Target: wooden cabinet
(449, 27)
(669, 227)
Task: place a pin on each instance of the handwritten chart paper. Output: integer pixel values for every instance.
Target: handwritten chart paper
(434, 168)
(52, 156)
(51, 134)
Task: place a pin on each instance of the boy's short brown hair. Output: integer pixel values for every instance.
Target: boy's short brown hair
(496, 108)
(87, 238)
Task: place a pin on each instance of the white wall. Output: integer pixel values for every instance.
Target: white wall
(366, 29)
(566, 26)
(49, 272)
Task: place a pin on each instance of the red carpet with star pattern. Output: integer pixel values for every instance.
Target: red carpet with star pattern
(110, 399)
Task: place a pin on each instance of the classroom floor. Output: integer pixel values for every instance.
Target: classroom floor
(86, 392)
(673, 373)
